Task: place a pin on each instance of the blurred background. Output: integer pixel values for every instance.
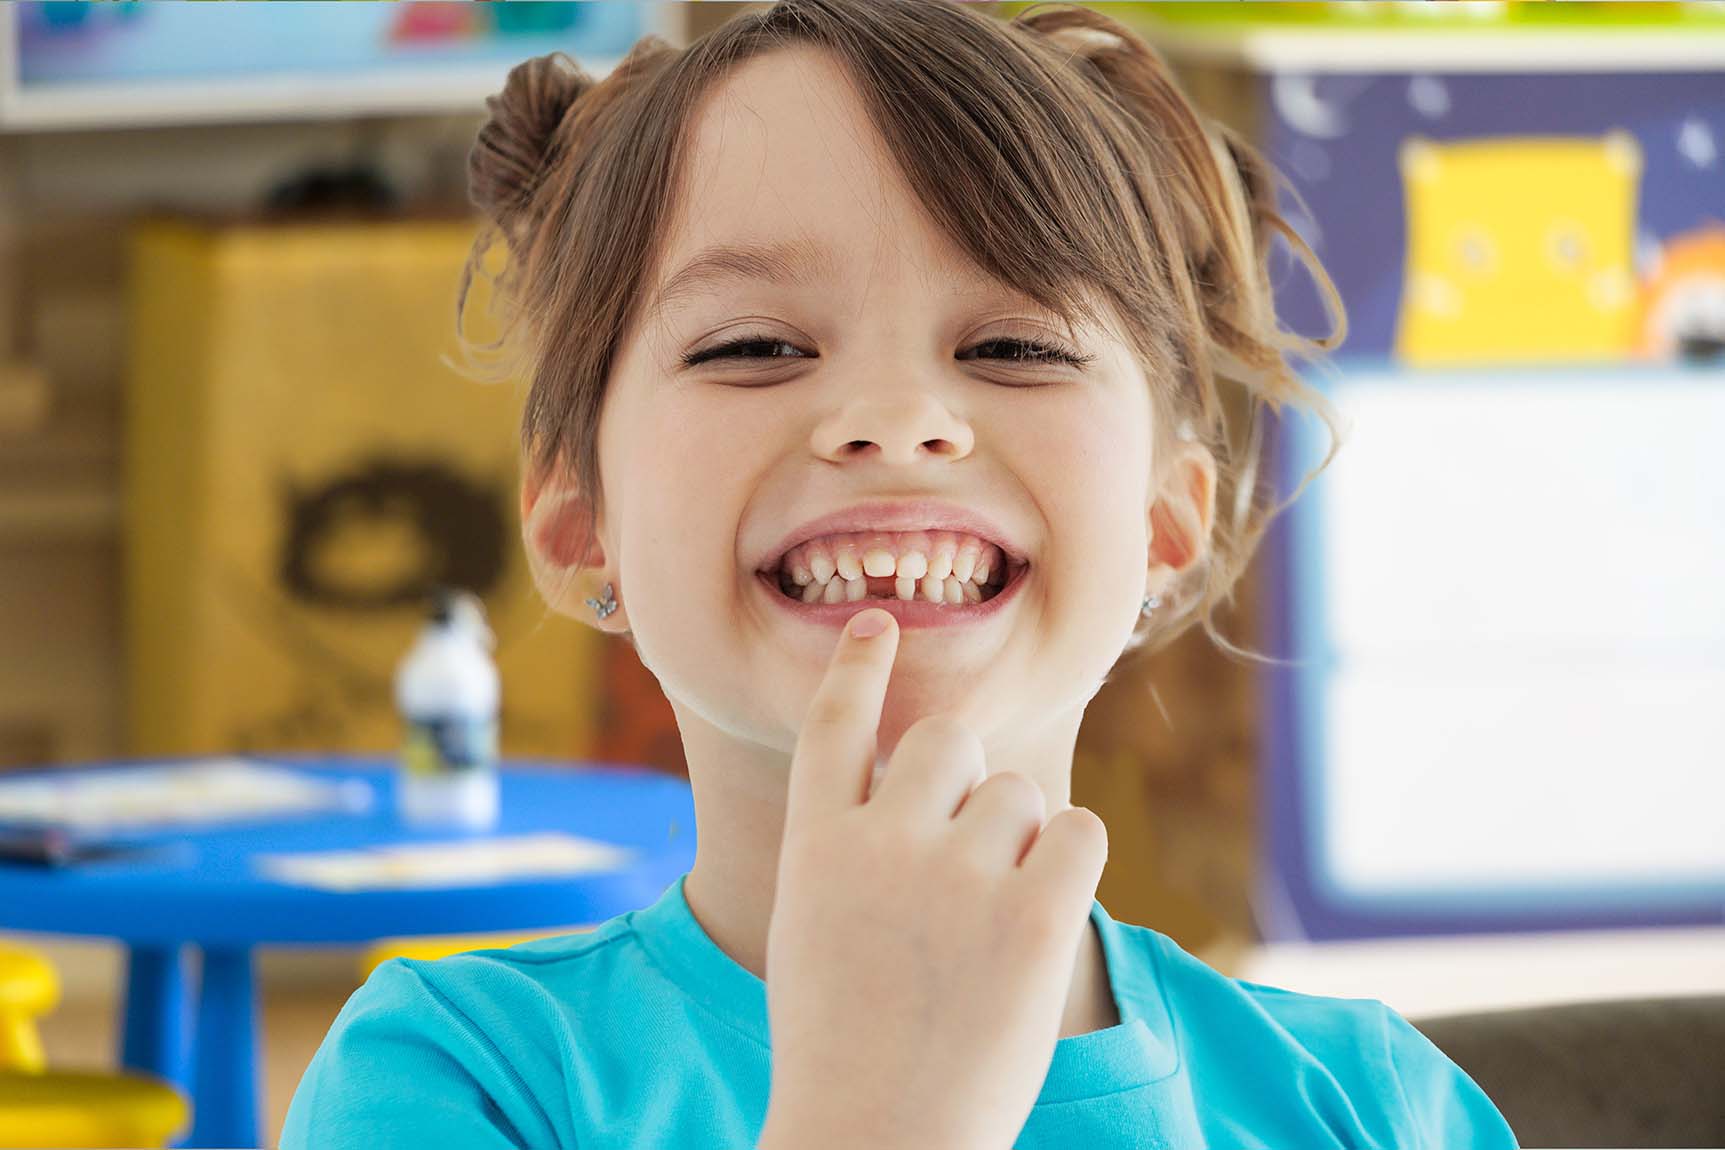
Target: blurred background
(1486, 770)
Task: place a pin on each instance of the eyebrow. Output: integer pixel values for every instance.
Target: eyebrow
(780, 262)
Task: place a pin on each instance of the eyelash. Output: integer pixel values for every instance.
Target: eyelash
(1042, 353)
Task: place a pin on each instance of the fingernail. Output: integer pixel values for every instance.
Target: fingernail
(870, 622)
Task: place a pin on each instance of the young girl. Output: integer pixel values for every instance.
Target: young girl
(890, 316)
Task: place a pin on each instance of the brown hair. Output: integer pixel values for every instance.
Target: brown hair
(1056, 149)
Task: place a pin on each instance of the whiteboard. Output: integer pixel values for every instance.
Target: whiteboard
(1545, 515)
(1517, 582)
(1446, 777)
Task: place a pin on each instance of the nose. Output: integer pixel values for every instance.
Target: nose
(903, 428)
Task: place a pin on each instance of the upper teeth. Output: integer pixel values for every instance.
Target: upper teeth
(925, 561)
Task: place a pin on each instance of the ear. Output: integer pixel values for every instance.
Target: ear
(554, 516)
(1182, 514)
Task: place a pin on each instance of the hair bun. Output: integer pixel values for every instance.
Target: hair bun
(519, 141)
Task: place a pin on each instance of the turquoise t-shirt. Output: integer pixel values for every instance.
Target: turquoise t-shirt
(643, 1033)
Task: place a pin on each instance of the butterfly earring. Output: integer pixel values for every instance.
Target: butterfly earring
(603, 608)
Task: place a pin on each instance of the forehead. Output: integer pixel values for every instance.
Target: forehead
(788, 182)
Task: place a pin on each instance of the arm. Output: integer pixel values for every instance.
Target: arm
(1446, 1110)
(403, 1066)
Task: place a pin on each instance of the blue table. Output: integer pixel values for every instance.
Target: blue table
(201, 889)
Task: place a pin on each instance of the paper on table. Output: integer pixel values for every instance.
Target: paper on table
(204, 791)
(447, 863)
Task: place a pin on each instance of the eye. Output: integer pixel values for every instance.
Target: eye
(733, 348)
(1014, 351)
(1032, 351)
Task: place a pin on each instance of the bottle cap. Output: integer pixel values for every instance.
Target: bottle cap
(462, 612)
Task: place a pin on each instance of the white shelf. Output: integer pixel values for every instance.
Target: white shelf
(1449, 49)
(283, 97)
(429, 90)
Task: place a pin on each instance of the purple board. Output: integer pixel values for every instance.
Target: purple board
(1343, 143)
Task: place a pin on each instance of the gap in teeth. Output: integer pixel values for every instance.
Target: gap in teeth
(951, 590)
(913, 554)
(932, 566)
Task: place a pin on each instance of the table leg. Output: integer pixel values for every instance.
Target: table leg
(156, 1031)
(226, 1086)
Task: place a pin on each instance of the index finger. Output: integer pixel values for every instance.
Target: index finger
(835, 752)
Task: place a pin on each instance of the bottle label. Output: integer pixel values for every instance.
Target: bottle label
(449, 745)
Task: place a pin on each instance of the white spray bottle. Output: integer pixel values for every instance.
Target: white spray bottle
(447, 691)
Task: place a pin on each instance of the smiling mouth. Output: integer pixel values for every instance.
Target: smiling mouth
(950, 591)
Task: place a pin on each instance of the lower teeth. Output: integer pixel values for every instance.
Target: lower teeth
(968, 593)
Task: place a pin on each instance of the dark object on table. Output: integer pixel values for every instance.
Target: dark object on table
(1644, 1072)
(1702, 348)
(353, 187)
(53, 846)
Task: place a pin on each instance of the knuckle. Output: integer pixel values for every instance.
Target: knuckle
(1018, 792)
(939, 730)
(1088, 828)
(972, 868)
(880, 838)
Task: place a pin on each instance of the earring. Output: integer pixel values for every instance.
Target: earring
(1151, 602)
(604, 608)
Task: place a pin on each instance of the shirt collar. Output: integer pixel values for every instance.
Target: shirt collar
(1137, 1051)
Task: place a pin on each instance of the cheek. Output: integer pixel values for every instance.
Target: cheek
(1094, 500)
(689, 487)
(1089, 470)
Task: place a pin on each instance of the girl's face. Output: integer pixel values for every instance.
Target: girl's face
(877, 367)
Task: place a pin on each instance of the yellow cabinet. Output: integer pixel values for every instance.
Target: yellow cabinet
(302, 466)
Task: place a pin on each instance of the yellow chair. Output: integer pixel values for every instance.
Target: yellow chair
(62, 1108)
(444, 945)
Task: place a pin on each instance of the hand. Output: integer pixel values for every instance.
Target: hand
(923, 938)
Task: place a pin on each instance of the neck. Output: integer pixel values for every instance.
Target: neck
(740, 811)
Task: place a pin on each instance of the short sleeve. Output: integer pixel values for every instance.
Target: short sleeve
(1446, 1109)
(402, 1066)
